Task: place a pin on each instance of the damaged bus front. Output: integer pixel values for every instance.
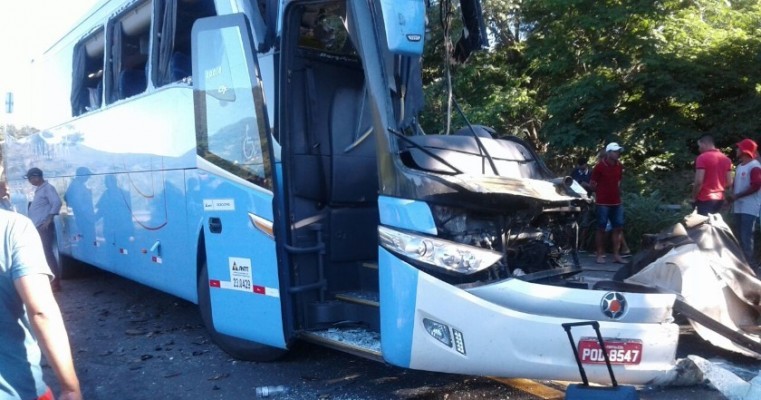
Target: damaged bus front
(264, 160)
(477, 245)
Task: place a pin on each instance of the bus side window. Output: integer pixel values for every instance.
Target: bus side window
(174, 21)
(129, 41)
(233, 133)
(87, 74)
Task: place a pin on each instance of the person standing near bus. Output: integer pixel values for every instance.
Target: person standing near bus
(30, 318)
(606, 182)
(582, 174)
(713, 173)
(45, 205)
(746, 195)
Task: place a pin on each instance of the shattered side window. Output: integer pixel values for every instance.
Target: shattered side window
(87, 74)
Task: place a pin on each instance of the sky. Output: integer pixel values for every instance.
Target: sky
(27, 28)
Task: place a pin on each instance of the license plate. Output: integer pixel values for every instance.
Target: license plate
(620, 351)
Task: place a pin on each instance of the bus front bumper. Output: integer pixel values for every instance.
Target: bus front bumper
(428, 324)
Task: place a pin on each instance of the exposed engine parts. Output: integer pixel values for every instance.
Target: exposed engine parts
(530, 240)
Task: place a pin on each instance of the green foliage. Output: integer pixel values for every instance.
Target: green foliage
(571, 75)
(647, 214)
(492, 88)
(674, 72)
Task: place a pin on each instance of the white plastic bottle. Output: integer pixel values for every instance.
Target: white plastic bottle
(270, 391)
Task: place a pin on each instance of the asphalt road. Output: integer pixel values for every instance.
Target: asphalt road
(132, 342)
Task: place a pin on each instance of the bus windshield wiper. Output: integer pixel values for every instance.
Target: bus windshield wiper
(481, 146)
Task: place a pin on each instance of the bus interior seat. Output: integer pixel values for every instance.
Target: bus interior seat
(131, 82)
(95, 96)
(350, 119)
(354, 181)
(337, 184)
(310, 139)
(99, 94)
(180, 66)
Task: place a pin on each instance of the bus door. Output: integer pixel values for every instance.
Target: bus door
(235, 183)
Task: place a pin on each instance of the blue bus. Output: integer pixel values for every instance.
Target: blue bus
(264, 160)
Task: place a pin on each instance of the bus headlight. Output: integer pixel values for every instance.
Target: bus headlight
(444, 254)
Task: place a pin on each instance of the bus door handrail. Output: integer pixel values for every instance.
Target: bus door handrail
(319, 249)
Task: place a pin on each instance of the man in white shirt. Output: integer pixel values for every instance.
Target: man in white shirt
(45, 205)
(746, 196)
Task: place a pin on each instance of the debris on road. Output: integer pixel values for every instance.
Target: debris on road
(726, 382)
(701, 261)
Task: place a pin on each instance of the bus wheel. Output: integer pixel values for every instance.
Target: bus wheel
(238, 348)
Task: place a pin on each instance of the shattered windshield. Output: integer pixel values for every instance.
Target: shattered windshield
(323, 29)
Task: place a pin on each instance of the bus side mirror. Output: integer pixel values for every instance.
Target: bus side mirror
(404, 21)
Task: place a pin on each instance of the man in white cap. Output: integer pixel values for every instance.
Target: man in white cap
(606, 182)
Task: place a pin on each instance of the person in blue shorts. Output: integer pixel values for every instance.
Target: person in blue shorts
(606, 181)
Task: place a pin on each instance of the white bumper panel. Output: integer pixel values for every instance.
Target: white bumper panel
(503, 342)
(573, 303)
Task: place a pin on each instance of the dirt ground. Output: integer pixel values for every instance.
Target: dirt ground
(132, 342)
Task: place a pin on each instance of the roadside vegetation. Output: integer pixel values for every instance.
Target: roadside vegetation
(571, 75)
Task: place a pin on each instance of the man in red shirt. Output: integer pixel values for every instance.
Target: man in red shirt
(713, 173)
(606, 181)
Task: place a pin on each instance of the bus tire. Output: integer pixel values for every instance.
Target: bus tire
(238, 348)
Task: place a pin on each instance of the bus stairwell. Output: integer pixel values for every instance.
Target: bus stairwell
(330, 165)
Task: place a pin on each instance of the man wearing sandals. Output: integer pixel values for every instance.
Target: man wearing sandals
(606, 182)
